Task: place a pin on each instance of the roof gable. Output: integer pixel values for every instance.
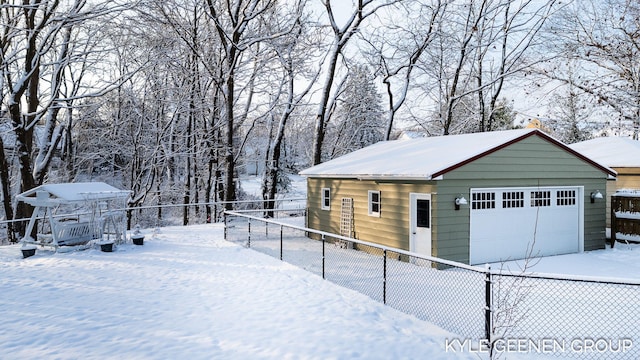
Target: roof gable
(428, 158)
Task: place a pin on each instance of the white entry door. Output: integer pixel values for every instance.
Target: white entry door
(420, 223)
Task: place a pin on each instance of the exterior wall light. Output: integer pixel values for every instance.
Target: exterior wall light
(596, 195)
(460, 200)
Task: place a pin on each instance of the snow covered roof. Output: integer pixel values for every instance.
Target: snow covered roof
(71, 192)
(427, 158)
(612, 151)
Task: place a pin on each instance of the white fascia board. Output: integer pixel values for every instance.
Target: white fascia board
(374, 177)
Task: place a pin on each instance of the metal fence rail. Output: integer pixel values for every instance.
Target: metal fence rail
(181, 214)
(150, 216)
(587, 316)
(571, 317)
(391, 276)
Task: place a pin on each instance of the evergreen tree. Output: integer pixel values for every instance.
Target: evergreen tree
(359, 118)
(503, 115)
(570, 124)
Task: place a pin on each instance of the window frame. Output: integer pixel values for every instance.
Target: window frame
(325, 195)
(371, 203)
(483, 200)
(540, 198)
(566, 197)
(513, 199)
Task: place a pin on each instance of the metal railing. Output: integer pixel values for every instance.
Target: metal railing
(492, 311)
(150, 216)
(174, 214)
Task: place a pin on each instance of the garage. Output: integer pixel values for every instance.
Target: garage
(516, 223)
(472, 198)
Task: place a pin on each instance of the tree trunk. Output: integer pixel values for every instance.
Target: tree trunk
(6, 192)
(230, 164)
(187, 184)
(23, 141)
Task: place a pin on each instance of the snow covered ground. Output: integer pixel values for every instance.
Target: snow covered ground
(622, 262)
(188, 294)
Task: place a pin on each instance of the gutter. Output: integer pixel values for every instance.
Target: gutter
(375, 177)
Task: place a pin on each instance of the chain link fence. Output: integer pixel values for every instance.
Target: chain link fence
(578, 317)
(488, 310)
(209, 212)
(154, 216)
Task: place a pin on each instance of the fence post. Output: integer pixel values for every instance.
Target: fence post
(384, 276)
(323, 257)
(613, 226)
(281, 245)
(224, 216)
(248, 232)
(487, 309)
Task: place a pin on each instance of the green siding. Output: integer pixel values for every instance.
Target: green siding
(528, 163)
(531, 158)
(595, 215)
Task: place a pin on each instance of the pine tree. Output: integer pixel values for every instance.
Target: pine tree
(359, 116)
(570, 124)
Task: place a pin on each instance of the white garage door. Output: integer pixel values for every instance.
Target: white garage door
(511, 223)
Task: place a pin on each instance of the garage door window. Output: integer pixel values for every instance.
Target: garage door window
(540, 198)
(483, 200)
(565, 197)
(512, 199)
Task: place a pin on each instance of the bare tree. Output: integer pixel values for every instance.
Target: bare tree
(342, 33)
(37, 55)
(6, 192)
(570, 112)
(236, 23)
(508, 35)
(471, 14)
(189, 54)
(293, 63)
(601, 39)
(397, 48)
(478, 45)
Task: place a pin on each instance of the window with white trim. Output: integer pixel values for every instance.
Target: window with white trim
(565, 197)
(326, 199)
(483, 200)
(540, 198)
(512, 199)
(374, 203)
